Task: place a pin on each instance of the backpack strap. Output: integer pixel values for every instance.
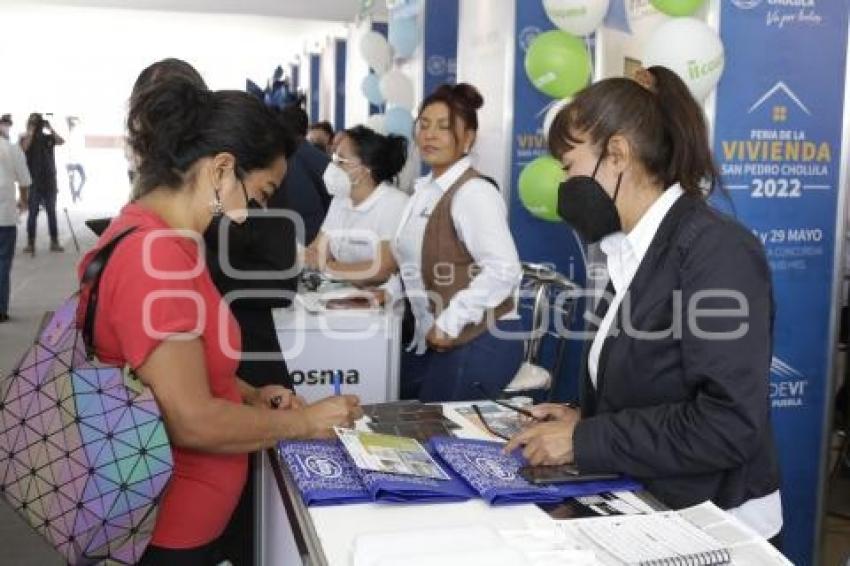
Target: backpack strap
(91, 277)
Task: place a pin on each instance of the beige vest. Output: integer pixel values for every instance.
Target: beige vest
(448, 267)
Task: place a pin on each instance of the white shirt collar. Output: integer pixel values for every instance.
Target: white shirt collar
(644, 231)
(369, 202)
(451, 175)
(624, 252)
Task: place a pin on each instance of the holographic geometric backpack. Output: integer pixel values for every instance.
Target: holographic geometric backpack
(84, 454)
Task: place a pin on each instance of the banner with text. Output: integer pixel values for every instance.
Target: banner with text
(778, 144)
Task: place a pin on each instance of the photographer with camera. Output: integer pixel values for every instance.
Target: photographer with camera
(39, 144)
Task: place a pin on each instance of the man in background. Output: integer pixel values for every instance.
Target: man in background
(303, 190)
(321, 134)
(13, 171)
(39, 143)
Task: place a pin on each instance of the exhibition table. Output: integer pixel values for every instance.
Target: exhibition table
(292, 534)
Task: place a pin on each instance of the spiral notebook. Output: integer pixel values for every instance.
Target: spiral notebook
(700, 535)
(654, 540)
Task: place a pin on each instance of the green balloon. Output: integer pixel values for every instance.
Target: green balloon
(538, 187)
(677, 8)
(557, 64)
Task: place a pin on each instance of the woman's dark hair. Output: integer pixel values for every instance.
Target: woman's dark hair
(384, 156)
(173, 123)
(166, 69)
(463, 101)
(663, 122)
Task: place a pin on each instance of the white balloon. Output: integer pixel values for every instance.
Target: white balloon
(578, 17)
(643, 18)
(691, 49)
(551, 113)
(397, 89)
(375, 122)
(376, 51)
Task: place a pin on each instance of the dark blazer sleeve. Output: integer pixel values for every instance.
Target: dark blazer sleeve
(303, 190)
(264, 244)
(722, 423)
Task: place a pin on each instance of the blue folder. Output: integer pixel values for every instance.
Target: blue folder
(495, 476)
(325, 475)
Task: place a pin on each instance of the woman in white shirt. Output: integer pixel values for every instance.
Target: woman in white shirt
(354, 242)
(458, 262)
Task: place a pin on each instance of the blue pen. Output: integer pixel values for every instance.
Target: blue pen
(337, 381)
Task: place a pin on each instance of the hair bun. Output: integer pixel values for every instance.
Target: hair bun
(469, 94)
(395, 148)
(164, 118)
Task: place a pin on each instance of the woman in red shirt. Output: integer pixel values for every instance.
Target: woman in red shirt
(201, 154)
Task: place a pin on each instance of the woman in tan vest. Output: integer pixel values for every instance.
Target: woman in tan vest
(458, 262)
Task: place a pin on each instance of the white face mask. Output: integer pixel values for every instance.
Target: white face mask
(337, 181)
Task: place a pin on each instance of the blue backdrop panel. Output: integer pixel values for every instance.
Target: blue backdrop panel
(778, 143)
(440, 44)
(339, 84)
(295, 76)
(538, 240)
(315, 70)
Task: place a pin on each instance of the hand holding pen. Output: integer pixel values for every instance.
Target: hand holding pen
(337, 382)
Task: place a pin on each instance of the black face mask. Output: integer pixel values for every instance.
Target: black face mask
(239, 233)
(584, 204)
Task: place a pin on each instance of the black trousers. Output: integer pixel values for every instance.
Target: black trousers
(37, 199)
(237, 540)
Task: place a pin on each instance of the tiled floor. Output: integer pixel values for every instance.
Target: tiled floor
(38, 284)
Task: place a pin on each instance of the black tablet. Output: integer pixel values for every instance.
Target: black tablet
(567, 473)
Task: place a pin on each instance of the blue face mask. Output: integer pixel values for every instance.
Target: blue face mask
(584, 205)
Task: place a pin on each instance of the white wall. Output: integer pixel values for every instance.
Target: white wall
(356, 105)
(327, 80)
(485, 59)
(83, 61)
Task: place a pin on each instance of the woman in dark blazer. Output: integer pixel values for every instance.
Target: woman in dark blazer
(676, 380)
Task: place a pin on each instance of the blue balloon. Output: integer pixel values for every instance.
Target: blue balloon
(403, 36)
(371, 89)
(399, 121)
